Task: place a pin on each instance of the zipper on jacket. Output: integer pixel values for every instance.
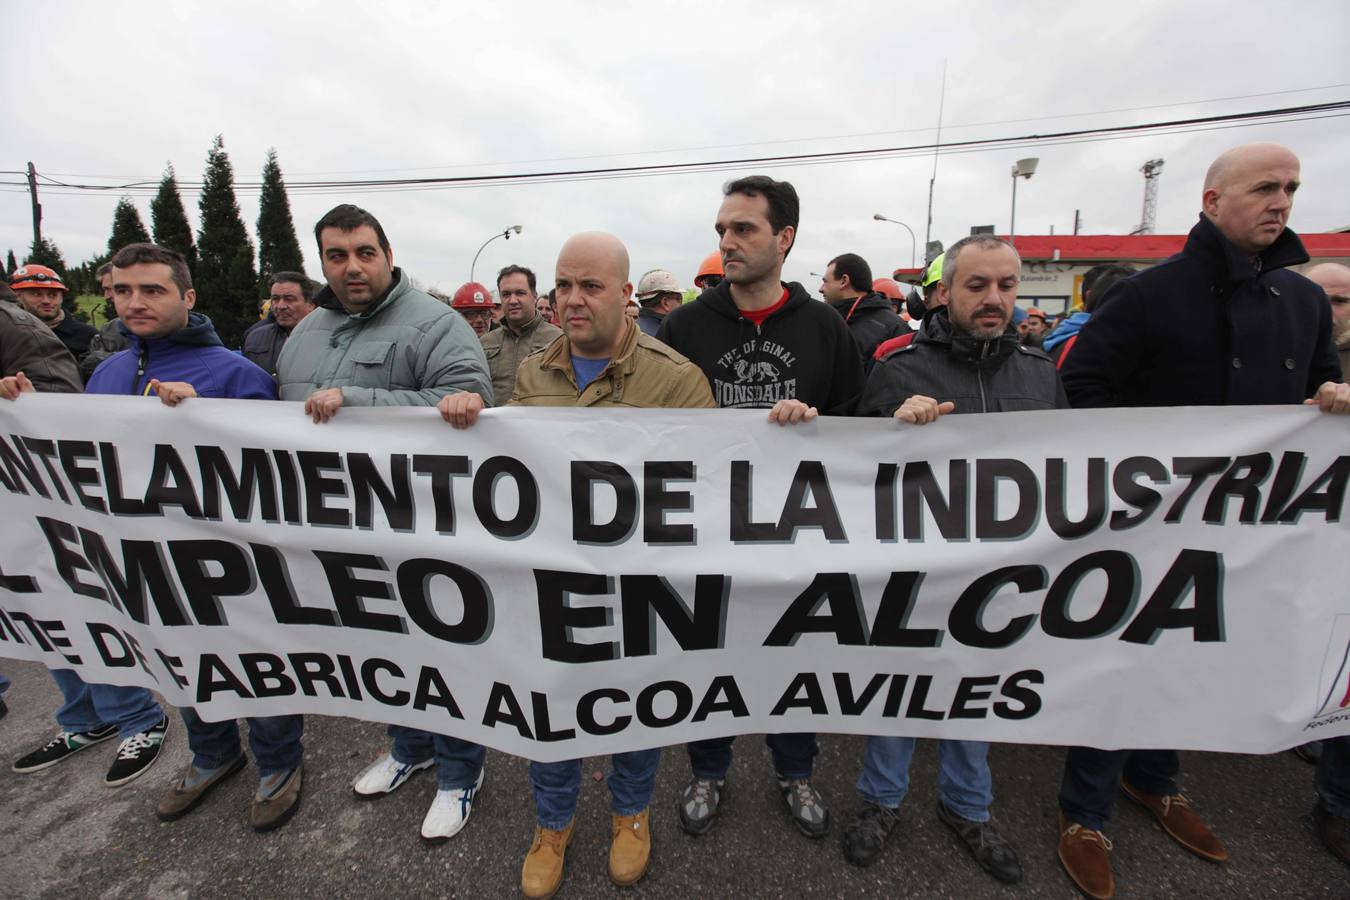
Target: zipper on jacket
(141, 362)
(979, 377)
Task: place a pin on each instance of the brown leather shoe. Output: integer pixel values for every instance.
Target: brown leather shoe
(630, 850)
(274, 805)
(542, 874)
(1175, 815)
(189, 789)
(1086, 856)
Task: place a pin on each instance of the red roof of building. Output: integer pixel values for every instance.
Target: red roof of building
(1092, 247)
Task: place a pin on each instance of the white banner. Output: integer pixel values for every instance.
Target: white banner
(559, 583)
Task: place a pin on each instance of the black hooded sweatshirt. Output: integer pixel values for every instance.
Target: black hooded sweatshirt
(802, 352)
(871, 319)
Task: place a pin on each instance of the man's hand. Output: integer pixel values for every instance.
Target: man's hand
(461, 410)
(920, 410)
(790, 412)
(14, 385)
(171, 393)
(1331, 397)
(323, 405)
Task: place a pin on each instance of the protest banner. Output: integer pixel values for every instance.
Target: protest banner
(560, 583)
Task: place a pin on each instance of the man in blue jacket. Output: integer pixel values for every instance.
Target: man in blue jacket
(174, 354)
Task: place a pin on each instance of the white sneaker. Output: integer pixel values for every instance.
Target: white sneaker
(386, 775)
(449, 812)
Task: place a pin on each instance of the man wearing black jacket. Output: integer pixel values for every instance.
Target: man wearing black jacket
(1223, 323)
(763, 345)
(847, 286)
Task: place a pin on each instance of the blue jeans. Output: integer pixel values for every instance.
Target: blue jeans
(964, 782)
(557, 785)
(274, 740)
(89, 707)
(1092, 776)
(792, 755)
(457, 762)
(1333, 777)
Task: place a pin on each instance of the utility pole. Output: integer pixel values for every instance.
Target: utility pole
(937, 145)
(37, 207)
(1077, 220)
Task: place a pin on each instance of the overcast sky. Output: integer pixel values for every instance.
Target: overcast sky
(111, 92)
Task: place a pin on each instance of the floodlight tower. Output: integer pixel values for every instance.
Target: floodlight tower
(1149, 219)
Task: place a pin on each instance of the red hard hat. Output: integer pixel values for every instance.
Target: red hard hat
(710, 266)
(888, 288)
(35, 276)
(472, 296)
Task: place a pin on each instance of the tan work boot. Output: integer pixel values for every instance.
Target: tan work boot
(631, 849)
(542, 874)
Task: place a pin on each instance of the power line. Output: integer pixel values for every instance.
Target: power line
(1311, 112)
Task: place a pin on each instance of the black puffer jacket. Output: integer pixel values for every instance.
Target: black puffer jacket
(263, 343)
(871, 319)
(978, 375)
(1207, 328)
(802, 352)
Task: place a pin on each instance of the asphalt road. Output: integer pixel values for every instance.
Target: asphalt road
(65, 835)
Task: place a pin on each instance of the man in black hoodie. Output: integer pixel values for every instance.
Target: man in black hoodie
(847, 286)
(763, 345)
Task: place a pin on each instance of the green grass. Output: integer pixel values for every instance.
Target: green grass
(92, 306)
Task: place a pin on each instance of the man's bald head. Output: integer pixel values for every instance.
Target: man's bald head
(1249, 192)
(598, 245)
(1334, 278)
(592, 289)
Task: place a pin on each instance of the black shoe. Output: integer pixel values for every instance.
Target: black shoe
(137, 753)
(806, 806)
(699, 802)
(1310, 752)
(65, 744)
(1334, 832)
(866, 833)
(995, 855)
(4, 709)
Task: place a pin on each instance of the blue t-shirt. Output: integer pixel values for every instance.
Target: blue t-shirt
(587, 370)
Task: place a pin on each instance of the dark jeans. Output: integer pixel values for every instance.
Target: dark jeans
(457, 762)
(274, 740)
(1333, 777)
(1092, 776)
(792, 755)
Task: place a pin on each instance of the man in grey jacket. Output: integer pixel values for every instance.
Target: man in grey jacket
(375, 340)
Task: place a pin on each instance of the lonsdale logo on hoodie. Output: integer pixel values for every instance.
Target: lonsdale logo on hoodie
(755, 374)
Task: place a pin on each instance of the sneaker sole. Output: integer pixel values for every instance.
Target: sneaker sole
(420, 767)
(232, 768)
(60, 759)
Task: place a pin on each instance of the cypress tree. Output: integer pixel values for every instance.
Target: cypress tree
(227, 285)
(278, 247)
(127, 227)
(10, 264)
(168, 220)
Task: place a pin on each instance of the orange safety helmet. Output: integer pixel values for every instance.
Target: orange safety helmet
(710, 266)
(33, 275)
(888, 288)
(472, 296)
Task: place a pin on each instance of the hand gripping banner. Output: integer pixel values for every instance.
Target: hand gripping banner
(561, 583)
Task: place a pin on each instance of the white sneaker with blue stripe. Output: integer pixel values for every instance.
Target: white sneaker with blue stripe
(449, 812)
(386, 775)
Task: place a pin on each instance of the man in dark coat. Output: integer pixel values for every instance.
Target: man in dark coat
(847, 286)
(1224, 322)
(291, 299)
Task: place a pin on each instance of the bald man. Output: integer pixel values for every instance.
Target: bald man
(1334, 278)
(602, 359)
(1224, 322)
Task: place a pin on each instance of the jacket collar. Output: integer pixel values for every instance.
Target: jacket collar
(326, 299)
(981, 353)
(559, 355)
(1207, 242)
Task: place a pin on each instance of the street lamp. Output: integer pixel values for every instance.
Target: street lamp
(1023, 168)
(506, 233)
(912, 241)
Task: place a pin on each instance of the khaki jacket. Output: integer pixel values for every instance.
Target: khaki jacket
(505, 351)
(645, 373)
